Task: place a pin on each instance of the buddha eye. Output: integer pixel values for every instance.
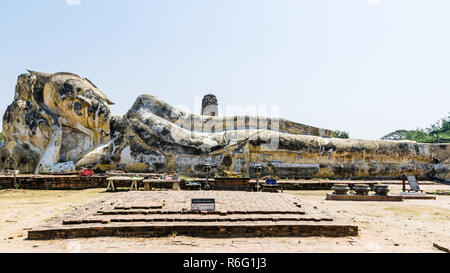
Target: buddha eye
(77, 108)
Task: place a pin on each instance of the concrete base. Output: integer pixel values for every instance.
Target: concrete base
(417, 195)
(353, 197)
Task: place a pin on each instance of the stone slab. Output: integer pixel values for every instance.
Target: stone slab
(417, 195)
(353, 197)
(149, 214)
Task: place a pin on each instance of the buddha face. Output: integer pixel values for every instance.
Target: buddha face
(79, 104)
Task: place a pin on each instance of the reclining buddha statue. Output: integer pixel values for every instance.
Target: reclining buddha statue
(62, 121)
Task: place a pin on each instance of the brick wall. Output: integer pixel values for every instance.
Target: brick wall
(63, 182)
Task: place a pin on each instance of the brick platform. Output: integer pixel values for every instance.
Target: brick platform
(238, 214)
(353, 197)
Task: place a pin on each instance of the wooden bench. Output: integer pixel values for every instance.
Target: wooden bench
(134, 182)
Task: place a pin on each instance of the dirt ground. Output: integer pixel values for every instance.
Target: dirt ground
(408, 226)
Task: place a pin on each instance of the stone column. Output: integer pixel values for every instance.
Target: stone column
(210, 106)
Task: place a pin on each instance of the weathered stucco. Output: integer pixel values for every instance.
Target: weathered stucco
(155, 137)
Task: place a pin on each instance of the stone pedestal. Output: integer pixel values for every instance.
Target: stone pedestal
(361, 189)
(381, 189)
(341, 189)
(354, 197)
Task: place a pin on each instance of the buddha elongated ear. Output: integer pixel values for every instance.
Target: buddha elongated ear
(40, 75)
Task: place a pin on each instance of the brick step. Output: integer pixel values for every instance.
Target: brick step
(156, 206)
(180, 218)
(165, 212)
(196, 229)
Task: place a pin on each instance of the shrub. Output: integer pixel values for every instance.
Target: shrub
(341, 134)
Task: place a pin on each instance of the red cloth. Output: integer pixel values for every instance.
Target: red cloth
(87, 173)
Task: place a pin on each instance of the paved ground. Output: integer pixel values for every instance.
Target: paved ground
(409, 226)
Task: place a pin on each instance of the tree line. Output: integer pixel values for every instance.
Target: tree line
(439, 132)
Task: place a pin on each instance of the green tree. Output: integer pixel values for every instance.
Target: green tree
(341, 134)
(396, 135)
(439, 132)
